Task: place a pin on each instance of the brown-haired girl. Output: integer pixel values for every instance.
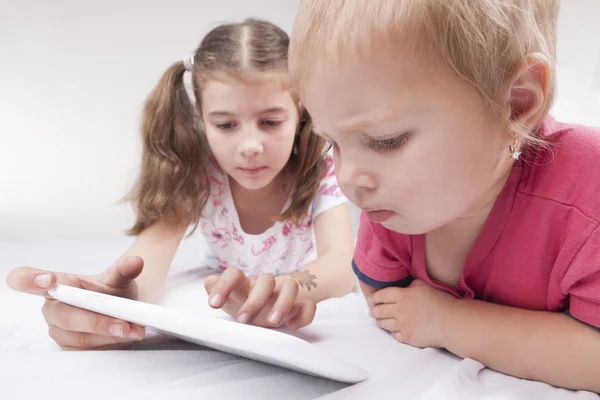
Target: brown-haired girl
(244, 167)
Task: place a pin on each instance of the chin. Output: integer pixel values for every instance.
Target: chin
(253, 183)
(405, 226)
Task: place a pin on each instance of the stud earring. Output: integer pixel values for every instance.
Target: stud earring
(515, 154)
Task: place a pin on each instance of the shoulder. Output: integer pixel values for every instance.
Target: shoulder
(329, 184)
(567, 171)
(329, 193)
(375, 238)
(219, 189)
(382, 257)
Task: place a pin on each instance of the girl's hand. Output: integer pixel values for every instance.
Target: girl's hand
(414, 315)
(259, 301)
(73, 328)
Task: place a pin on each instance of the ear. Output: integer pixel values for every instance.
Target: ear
(528, 92)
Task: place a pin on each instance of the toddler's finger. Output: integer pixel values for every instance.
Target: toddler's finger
(383, 310)
(387, 324)
(259, 295)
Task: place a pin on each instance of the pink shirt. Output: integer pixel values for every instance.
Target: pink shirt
(539, 248)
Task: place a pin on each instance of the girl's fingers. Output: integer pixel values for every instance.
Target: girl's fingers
(231, 280)
(38, 282)
(210, 282)
(257, 300)
(305, 315)
(260, 294)
(75, 319)
(70, 340)
(284, 304)
(123, 273)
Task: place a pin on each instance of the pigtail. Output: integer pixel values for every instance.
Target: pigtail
(307, 164)
(173, 184)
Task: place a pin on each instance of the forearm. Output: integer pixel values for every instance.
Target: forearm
(157, 246)
(536, 345)
(366, 290)
(329, 275)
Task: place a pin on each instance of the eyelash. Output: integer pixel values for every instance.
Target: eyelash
(389, 144)
(271, 123)
(381, 145)
(226, 126)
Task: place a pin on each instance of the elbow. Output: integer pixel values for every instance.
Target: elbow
(344, 286)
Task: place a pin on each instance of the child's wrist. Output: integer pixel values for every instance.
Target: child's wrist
(448, 319)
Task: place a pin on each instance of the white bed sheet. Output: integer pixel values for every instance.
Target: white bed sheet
(31, 366)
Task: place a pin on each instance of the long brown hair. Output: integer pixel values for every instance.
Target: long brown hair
(173, 185)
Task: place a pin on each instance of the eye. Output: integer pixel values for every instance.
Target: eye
(225, 126)
(271, 123)
(389, 144)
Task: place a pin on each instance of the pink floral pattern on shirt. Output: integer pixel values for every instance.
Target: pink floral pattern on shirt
(281, 249)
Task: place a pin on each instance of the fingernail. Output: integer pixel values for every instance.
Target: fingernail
(133, 335)
(42, 281)
(116, 330)
(244, 318)
(275, 317)
(215, 300)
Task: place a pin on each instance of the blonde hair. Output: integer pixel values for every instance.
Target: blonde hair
(480, 41)
(174, 182)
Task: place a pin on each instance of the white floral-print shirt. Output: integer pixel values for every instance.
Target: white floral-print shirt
(281, 249)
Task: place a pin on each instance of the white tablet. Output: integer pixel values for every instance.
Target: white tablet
(249, 341)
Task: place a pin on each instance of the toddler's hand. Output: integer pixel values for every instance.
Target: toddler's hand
(414, 315)
(73, 328)
(258, 301)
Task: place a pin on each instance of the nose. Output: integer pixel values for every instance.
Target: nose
(353, 175)
(251, 146)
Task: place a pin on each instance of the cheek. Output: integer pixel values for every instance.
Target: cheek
(282, 141)
(461, 163)
(432, 170)
(220, 146)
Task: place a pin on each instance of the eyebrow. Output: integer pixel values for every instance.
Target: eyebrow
(361, 124)
(270, 110)
(356, 124)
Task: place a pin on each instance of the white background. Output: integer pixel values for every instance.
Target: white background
(74, 75)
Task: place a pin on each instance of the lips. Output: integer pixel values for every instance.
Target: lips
(252, 170)
(379, 216)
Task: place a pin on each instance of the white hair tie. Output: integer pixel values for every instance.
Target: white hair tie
(188, 62)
